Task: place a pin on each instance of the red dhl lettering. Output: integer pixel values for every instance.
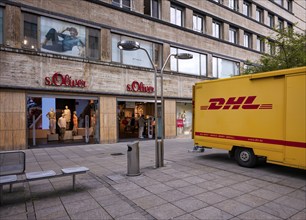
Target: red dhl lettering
(234, 103)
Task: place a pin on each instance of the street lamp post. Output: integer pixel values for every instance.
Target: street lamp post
(182, 56)
(130, 46)
(159, 146)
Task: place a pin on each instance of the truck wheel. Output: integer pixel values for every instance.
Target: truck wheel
(245, 157)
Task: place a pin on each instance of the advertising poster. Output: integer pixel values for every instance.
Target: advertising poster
(62, 37)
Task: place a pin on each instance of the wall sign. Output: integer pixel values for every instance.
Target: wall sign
(59, 80)
(139, 87)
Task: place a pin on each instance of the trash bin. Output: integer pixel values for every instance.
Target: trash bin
(133, 159)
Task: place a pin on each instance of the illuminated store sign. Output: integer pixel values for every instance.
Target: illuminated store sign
(59, 80)
(139, 87)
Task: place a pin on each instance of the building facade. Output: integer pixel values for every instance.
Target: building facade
(60, 58)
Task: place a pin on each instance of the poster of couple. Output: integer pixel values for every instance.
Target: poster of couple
(62, 37)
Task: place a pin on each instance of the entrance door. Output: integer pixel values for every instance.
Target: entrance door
(129, 113)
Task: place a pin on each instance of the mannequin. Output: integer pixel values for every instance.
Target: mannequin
(67, 115)
(93, 123)
(52, 120)
(62, 125)
(75, 123)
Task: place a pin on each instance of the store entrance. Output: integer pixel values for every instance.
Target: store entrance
(54, 121)
(130, 120)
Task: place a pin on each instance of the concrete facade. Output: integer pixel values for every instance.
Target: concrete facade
(23, 71)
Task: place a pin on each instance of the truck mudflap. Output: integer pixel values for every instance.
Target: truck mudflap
(197, 149)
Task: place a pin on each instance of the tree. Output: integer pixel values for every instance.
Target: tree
(287, 50)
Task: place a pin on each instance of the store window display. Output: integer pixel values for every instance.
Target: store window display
(184, 119)
(135, 120)
(45, 115)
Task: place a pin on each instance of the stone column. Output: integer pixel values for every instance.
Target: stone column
(12, 26)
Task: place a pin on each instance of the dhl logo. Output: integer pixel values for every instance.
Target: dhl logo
(245, 102)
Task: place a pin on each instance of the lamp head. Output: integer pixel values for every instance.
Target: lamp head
(128, 45)
(183, 56)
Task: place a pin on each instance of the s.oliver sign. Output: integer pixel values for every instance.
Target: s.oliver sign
(64, 80)
(139, 87)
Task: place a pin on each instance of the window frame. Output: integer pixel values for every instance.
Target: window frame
(247, 9)
(152, 9)
(235, 37)
(233, 4)
(177, 9)
(88, 49)
(216, 72)
(198, 17)
(259, 15)
(248, 41)
(260, 44)
(119, 3)
(30, 41)
(175, 63)
(216, 23)
(156, 56)
(280, 24)
(271, 20)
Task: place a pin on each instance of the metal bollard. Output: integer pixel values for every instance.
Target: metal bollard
(133, 159)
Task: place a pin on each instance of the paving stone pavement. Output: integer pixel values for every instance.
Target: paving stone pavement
(205, 185)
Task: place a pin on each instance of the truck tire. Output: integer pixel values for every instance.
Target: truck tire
(245, 157)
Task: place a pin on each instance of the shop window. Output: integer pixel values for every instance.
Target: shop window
(138, 57)
(129, 119)
(176, 15)
(44, 113)
(217, 29)
(183, 118)
(223, 68)
(29, 31)
(247, 40)
(246, 9)
(152, 8)
(93, 50)
(233, 35)
(126, 4)
(198, 23)
(1, 26)
(195, 66)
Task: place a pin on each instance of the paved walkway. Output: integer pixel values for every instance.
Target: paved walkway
(191, 186)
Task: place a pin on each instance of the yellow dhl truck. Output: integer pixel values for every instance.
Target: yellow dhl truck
(254, 116)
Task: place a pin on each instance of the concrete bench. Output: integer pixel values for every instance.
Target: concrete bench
(12, 171)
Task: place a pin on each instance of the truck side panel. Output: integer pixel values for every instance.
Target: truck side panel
(295, 119)
(257, 112)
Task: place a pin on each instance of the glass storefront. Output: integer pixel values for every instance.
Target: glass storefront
(59, 120)
(129, 114)
(183, 118)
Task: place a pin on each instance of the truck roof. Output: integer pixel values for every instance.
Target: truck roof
(262, 75)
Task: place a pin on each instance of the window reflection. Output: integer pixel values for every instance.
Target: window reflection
(223, 68)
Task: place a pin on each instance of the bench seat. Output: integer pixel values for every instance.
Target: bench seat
(8, 179)
(40, 174)
(72, 170)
